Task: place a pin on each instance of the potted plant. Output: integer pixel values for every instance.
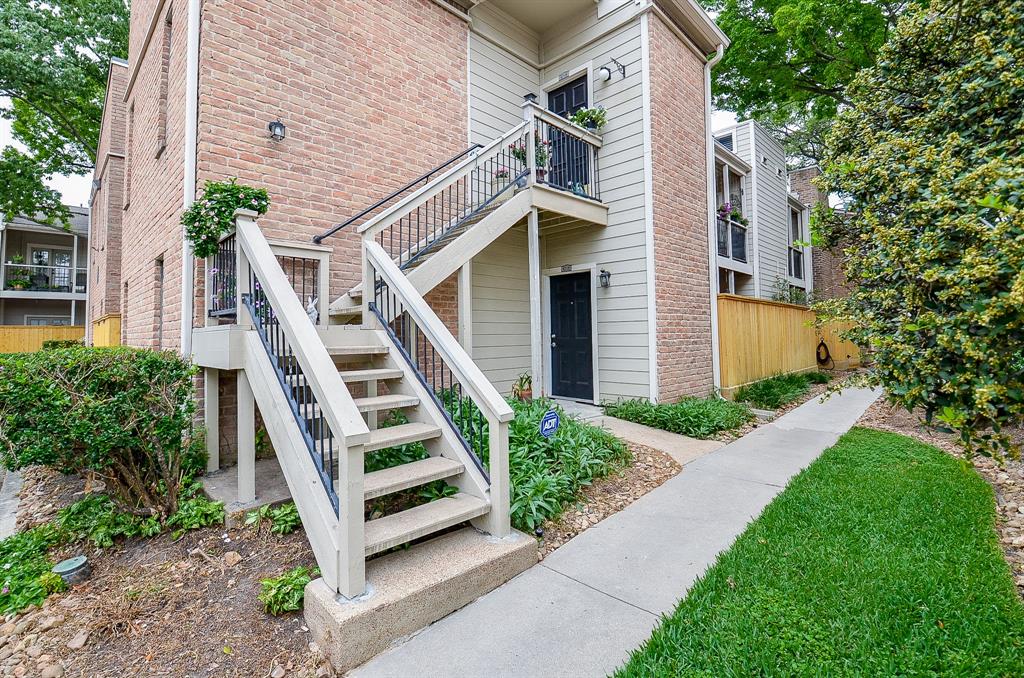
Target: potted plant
(499, 182)
(18, 278)
(522, 389)
(592, 119)
(541, 151)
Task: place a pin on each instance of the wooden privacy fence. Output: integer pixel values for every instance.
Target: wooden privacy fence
(106, 330)
(759, 338)
(28, 338)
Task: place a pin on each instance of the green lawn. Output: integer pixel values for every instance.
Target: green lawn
(879, 559)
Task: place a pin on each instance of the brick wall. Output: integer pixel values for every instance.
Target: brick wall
(106, 204)
(826, 265)
(682, 285)
(151, 231)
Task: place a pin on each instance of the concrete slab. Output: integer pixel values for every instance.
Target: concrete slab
(531, 626)
(9, 502)
(681, 448)
(271, 487)
(412, 588)
(836, 414)
(582, 411)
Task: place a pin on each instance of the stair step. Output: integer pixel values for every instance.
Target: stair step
(370, 374)
(399, 528)
(398, 478)
(386, 402)
(400, 435)
(356, 351)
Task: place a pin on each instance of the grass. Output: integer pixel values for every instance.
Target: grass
(694, 417)
(880, 558)
(774, 392)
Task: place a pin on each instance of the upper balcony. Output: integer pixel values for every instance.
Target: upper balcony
(39, 261)
(33, 281)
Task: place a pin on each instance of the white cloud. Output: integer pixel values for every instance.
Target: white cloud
(74, 189)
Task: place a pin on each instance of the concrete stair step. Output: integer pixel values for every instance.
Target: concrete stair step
(399, 528)
(386, 402)
(398, 478)
(402, 434)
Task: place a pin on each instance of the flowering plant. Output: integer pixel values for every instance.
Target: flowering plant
(726, 211)
(542, 151)
(502, 173)
(213, 215)
(591, 118)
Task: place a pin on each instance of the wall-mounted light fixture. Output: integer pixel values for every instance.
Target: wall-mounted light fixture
(605, 72)
(605, 278)
(277, 130)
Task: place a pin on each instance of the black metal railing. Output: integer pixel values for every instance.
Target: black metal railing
(415, 183)
(316, 432)
(732, 240)
(304, 275)
(462, 414)
(566, 161)
(460, 204)
(221, 276)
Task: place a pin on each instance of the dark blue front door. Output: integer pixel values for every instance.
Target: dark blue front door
(568, 165)
(572, 348)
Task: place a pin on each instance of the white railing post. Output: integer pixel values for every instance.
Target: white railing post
(499, 519)
(242, 271)
(351, 528)
(368, 286)
(530, 100)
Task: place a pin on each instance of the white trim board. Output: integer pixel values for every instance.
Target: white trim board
(546, 275)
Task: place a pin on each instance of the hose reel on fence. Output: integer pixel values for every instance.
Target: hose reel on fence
(825, 356)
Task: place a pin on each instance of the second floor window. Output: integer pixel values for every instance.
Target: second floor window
(796, 252)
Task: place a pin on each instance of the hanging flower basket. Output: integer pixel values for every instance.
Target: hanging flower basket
(213, 214)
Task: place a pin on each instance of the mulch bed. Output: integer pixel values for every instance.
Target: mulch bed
(188, 606)
(1006, 478)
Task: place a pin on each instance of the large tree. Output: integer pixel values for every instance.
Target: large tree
(54, 56)
(790, 60)
(931, 155)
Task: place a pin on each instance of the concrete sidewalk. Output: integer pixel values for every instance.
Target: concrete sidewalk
(586, 606)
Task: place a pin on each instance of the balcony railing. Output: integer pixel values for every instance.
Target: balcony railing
(36, 278)
(732, 240)
(565, 154)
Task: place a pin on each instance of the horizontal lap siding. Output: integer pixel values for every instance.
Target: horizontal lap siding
(620, 247)
(772, 211)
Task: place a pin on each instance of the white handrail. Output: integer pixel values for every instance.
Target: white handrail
(458, 361)
(566, 126)
(322, 376)
(405, 206)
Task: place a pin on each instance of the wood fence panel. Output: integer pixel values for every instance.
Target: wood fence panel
(106, 331)
(28, 338)
(759, 338)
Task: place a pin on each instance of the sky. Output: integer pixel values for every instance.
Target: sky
(76, 189)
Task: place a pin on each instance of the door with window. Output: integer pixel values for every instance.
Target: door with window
(572, 337)
(568, 167)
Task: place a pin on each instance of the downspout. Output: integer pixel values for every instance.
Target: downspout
(189, 188)
(716, 370)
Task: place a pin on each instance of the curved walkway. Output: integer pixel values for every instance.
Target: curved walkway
(587, 605)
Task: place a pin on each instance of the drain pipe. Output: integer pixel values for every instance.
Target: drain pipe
(189, 188)
(716, 369)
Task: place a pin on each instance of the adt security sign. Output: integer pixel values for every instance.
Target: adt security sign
(549, 423)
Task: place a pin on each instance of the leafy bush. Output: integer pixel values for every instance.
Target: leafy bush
(694, 417)
(61, 343)
(25, 568)
(285, 593)
(195, 513)
(123, 414)
(213, 215)
(930, 155)
(547, 473)
(774, 392)
(97, 519)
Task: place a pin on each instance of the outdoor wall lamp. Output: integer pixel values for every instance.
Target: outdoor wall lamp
(605, 72)
(277, 130)
(605, 278)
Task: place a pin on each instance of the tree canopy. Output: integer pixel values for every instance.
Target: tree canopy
(930, 154)
(790, 60)
(54, 57)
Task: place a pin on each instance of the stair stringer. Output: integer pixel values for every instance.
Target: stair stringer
(462, 249)
(310, 496)
(448, 445)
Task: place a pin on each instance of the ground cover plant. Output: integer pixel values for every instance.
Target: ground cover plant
(285, 592)
(694, 417)
(782, 389)
(879, 559)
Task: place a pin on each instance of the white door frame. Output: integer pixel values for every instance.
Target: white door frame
(546, 276)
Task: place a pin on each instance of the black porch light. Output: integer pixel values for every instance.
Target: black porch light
(277, 130)
(605, 278)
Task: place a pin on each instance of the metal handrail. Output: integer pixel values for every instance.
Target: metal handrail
(391, 196)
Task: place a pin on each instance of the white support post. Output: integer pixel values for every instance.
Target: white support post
(351, 537)
(531, 132)
(498, 521)
(74, 275)
(211, 415)
(242, 272)
(466, 306)
(246, 440)
(537, 341)
(368, 288)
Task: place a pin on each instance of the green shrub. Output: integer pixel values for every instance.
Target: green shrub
(25, 568)
(694, 417)
(124, 414)
(97, 519)
(285, 519)
(817, 377)
(774, 392)
(196, 512)
(61, 343)
(285, 593)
